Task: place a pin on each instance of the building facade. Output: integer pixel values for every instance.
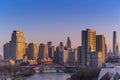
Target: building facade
(96, 59)
(114, 43)
(88, 45)
(32, 51)
(17, 46)
(68, 42)
(50, 50)
(79, 54)
(43, 52)
(7, 52)
(100, 46)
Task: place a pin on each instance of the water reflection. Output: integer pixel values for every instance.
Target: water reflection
(49, 76)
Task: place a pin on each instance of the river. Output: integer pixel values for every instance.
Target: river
(49, 76)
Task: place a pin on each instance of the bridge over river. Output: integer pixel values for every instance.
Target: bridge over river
(49, 65)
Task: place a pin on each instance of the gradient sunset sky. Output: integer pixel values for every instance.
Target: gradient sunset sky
(55, 20)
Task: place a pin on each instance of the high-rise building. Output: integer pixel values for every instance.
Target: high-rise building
(61, 52)
(17, 46)
(88, 45)
(76, 55)
(79, 54)
(117, 49)
(50, 50)
(114, 43)
(43, 52)
(100, 46)
(32, 51)
(71, 58)
(49, 44)
(7, 53)
(96, 59)
(66, 56)
(68, 42)
(56, 55)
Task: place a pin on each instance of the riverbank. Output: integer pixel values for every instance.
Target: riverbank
(90, 74)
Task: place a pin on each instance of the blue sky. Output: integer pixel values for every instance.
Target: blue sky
(55, 20)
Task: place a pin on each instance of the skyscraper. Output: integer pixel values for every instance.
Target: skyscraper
(56, 55)
(88, 45)
(68, 42)
(100, 46)
(61, 52)
(114, 43)
(49, 44)
(50, 50)
(66, 56)
(117, 49)
(7, 53)
(32, 51)
(17, 46)
(43, 51)
(79, 53)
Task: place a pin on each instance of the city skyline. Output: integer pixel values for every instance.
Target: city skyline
(43, 21)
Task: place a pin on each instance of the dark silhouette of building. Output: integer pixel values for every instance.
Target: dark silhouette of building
(61, 52)
(68, 42)
(50, 50)
(79, 54)
(56, 55)
(114, 43)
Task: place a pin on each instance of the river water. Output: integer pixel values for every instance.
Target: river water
(49, 76)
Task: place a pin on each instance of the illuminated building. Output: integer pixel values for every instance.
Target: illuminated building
(100, 46)
(88, 45)
(43, 51)
(32, 51)
(96, 59)
(16, 47)
(66, 56)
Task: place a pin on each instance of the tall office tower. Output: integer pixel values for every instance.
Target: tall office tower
(66, 56)
(32, 51)
(61, 52)
(49, 44)
(114, 43)
(68, 43)
(71, 58)
(43, 52)
(106, 51)
(79, 54)
(56, 55)
(7, 53)
(88, 45)
(100, 46)
(50, 50)
(76, 55)
(18, 45)
(117, 49)
(61, 46)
